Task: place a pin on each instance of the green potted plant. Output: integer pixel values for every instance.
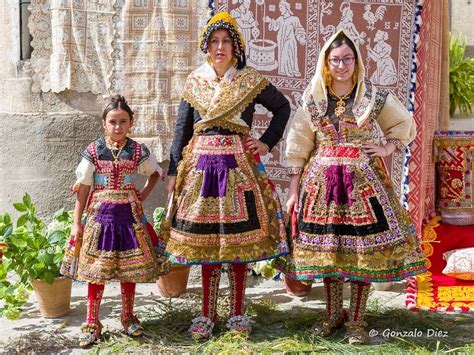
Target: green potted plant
(32, 261)
(461, 77)
(175, 282)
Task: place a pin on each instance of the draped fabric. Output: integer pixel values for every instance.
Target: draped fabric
(156, 47)
(434, 290)
(427, 101)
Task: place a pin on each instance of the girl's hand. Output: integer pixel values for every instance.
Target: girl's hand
(375, 150)
(171, 184)
(77, 230)
(256, 146)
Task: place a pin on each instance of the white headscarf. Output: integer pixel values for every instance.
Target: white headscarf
(315, 101)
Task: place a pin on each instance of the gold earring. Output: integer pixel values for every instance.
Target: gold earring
(208, 58)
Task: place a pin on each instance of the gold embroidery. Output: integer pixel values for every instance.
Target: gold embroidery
(458, 293)
(250, 245)
(223, 110)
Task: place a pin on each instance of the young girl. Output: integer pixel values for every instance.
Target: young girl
(115, 243)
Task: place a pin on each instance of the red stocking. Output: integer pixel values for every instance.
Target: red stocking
(333, 287)
(94, 296)
(237, 277)
(128, 299)
(211, 276)
(359, 295)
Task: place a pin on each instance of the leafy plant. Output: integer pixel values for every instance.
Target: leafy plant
(158, 217)
(267, 269)
(35, 251)
(461, 77)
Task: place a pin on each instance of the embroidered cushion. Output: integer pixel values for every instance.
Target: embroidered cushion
(460, 263)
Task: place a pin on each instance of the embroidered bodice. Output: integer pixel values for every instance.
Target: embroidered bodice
(332, 130)
(99, 169)
(107, 175)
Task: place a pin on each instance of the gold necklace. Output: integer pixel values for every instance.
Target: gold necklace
(341, 103)
(111, 145)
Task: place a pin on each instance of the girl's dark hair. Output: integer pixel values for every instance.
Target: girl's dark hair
(340, 40)
(117, 101)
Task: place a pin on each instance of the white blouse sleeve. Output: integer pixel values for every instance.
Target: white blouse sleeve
(148, 166)
(300, 142)
(85, 173)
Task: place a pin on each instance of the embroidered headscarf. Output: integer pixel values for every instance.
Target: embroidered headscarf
(315, 101)
(223, 20)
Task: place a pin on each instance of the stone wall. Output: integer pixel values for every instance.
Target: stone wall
(462, 13)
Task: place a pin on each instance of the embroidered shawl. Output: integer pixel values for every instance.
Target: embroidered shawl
(220, 103)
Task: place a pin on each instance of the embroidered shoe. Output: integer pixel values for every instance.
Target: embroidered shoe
(357, 333)
(201, 328)
(240, 324)
(90, 333)
(132, 326)
(329, 326)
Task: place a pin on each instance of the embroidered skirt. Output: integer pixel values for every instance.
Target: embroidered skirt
(226, 209)
(118, 243)
(350, 222)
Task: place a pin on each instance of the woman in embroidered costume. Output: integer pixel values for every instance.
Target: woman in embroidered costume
(227, 210)
(116, 242)
(350, 222)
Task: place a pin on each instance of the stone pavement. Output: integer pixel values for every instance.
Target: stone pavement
(31, 324)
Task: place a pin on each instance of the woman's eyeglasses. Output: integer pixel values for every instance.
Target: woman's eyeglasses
(337, 61)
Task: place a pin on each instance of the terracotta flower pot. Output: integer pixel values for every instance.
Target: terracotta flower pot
(382, 286)
(297, 288)
(175, 282)
(53, 300)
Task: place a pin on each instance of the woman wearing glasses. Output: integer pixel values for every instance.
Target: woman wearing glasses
(350, 222)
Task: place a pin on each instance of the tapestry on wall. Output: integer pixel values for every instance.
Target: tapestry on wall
(283, 40)
(156, 47)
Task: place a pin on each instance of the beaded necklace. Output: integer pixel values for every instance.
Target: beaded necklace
(117, 145)
(341, 103)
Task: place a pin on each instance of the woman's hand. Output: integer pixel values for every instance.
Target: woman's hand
(77, 230)
(171, 184)
(256, 146)
(375, 150)
(292, 202)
